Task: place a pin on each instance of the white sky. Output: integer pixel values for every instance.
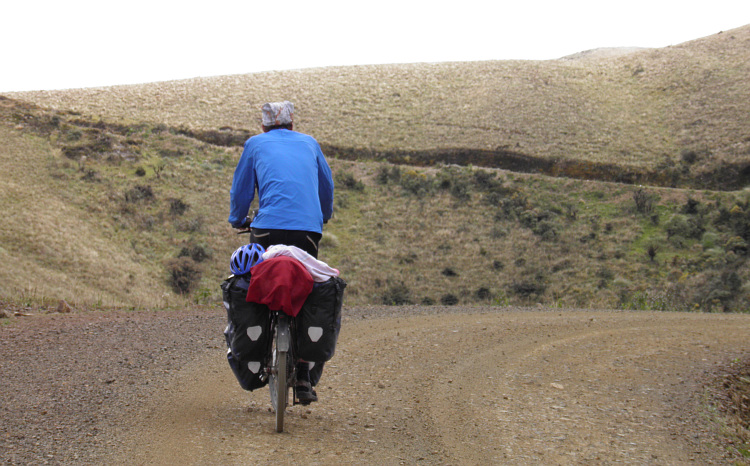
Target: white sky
(81, 43)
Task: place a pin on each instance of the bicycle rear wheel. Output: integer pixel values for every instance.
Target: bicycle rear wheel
(278, 381)
(281, 391)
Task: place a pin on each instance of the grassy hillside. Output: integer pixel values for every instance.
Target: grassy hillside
(119, 196)
(105, 214)
(671, 117)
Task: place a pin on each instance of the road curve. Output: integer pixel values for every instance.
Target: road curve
(482, 386)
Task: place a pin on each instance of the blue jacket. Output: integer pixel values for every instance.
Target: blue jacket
(293, 179)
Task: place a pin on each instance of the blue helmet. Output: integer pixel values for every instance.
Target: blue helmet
(245, 257)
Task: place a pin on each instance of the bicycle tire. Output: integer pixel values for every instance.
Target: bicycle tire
(278, 383)
(281, 390)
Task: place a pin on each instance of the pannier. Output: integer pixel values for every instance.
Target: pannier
(319, 321)
(248, 373)
(247, 332)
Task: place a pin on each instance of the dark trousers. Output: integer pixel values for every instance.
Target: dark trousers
(305, 240)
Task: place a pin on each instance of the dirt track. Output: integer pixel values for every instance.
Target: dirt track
(492, 385)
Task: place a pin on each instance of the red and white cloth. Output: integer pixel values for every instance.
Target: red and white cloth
(319, 270)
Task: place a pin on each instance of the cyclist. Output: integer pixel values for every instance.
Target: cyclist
(295, 193)
(293, 180)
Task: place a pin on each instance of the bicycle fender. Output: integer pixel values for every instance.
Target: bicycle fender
(284, 340)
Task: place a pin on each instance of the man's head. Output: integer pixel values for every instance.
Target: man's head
(278, 115)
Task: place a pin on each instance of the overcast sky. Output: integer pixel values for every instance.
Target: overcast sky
(82, 43)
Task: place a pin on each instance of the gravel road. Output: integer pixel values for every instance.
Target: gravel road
(407, 384)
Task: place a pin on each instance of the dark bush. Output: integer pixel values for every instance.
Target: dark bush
(449, 300)
(139, 193)
(690, 207)
(721, 290)
(416, 183)
(605, 273)
(184, 275)
(386, 174)
(483, 294)
(140, 171)
(460, 190)
(449, 272)
(545, 230)
(196, 252)
(685, 227)
(397, 295)
(485, 181)
(644, 202)
(690, 156)
(347, 181)
(427, 301)
(90, 175)
(512, 207)
(177, 207)
(528, 288)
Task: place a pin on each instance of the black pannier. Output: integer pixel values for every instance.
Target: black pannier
(249, 374)
(247, 333)
(319, 321)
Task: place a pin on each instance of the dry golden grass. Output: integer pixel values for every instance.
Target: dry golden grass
(638, 110)
(52, 248)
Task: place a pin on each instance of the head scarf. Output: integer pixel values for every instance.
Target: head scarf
(278, 113)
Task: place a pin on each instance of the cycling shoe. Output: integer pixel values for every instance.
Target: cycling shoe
(305, 393)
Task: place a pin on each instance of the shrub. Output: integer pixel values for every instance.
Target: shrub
(184, 274)
(546, 231)
(449, 272)
(527, 288)
(484, 180)
(460, 190)
(416, 183)
(348, 181)
(139, 193)
(736, 245)
(387, 174)
(685, 227)
(690, 207)
(483, 294)
(720, 290)
(196, 252)
(605, 275)
(177, 207)
(140, 171)
(512, 207)
(644, 202)
(397, 295)
(449, 300)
